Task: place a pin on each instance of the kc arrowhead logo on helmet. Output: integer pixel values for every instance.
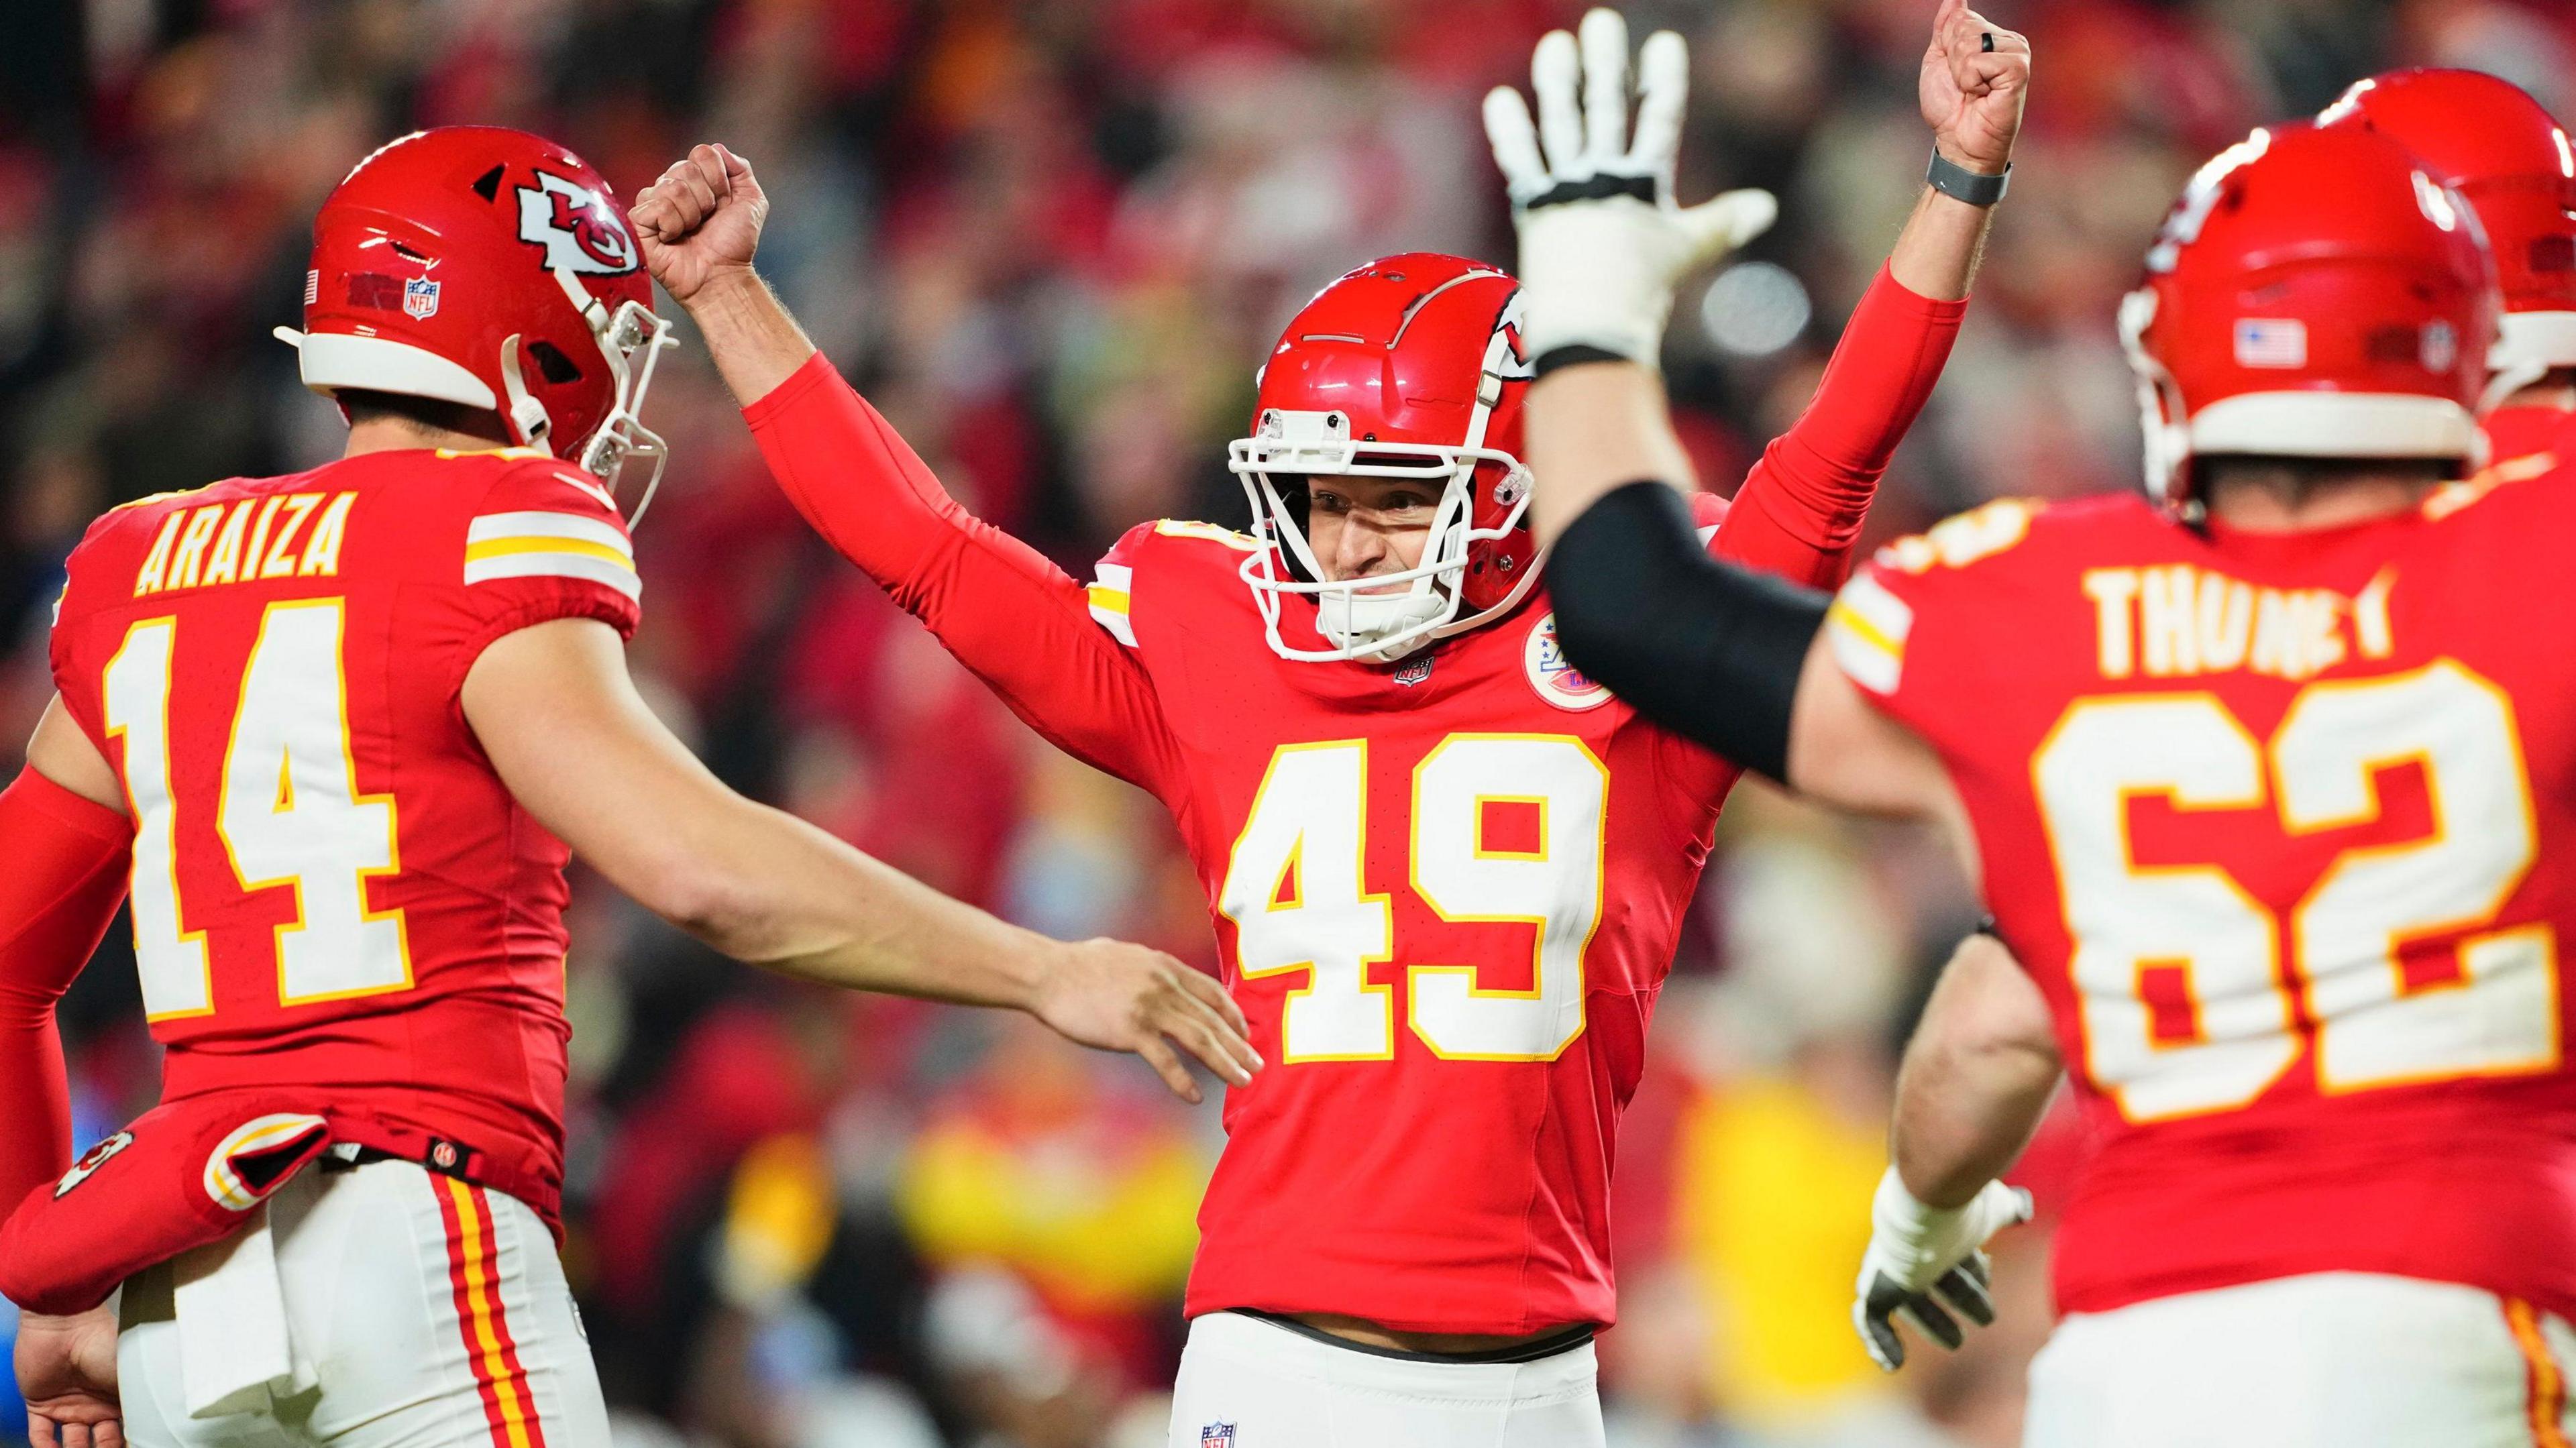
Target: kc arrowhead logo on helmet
(492, 269)
(579, 231)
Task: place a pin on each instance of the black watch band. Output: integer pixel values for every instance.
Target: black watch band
(1958, 182)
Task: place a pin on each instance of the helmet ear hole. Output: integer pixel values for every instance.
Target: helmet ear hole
(552, 364)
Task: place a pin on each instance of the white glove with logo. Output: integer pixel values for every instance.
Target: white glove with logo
(1916, 1251)
(1602, 243)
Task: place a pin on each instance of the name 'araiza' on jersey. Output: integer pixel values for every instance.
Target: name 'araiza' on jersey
(2281, 825)
(331, 889)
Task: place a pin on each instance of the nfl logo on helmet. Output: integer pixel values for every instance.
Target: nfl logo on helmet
(1217, 1435)
(420, 297)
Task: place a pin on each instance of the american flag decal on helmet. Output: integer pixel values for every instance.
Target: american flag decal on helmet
(2271, 342)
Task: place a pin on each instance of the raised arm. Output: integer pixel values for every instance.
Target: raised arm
(1016, 620)
(1736, 660)
(1595, 328)
(556, 712)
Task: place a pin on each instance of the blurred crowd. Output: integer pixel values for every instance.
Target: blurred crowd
(1051, 239)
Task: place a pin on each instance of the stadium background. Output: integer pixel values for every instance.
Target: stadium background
(1051, 238)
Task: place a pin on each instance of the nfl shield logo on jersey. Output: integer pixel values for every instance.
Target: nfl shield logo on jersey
(1557, 681)
(420, 298)
(1217, 1435)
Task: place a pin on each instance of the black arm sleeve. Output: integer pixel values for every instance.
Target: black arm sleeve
(1702, 647)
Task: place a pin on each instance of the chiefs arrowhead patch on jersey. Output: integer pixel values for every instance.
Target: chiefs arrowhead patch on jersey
(91, 1160)
(578, 230)
(1557, 681)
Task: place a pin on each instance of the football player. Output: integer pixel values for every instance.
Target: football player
(2269, 776)
(332, 734)
(1446, 870)
(2487, 139)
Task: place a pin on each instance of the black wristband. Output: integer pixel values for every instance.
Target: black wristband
(1573, 354)
(1961, 184)
(1706, 649)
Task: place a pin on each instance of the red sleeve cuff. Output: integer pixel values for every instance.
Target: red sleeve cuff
(762, 409)
(74, 812)
(1887, 290)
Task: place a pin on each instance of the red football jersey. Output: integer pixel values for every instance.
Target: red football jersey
(331, 888)
(1446, 890)
(2282, 826)
(2522, 441)
(1446, 894)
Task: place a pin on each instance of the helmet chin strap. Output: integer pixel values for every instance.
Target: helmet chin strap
(526, 416)
(1355, 620)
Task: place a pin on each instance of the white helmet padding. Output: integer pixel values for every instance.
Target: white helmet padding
(332, 360)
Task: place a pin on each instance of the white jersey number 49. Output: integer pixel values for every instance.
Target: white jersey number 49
(1296, 891)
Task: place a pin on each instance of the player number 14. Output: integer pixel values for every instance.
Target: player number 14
(290, 814)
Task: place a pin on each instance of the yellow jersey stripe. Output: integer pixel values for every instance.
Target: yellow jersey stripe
(507, 547)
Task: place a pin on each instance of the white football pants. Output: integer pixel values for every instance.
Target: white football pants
(1246, 1383)
(2330, 1360)
(431, 1314)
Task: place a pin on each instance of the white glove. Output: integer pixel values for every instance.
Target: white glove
(1602, 244)
(1914, 1251)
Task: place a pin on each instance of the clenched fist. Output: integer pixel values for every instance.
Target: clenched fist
(1976, 75)
(700, 220)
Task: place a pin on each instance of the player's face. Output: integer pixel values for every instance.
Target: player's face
(1361, 527)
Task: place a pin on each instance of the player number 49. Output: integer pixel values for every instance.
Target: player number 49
(1296, 892)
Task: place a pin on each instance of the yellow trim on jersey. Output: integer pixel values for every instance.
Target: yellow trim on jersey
(503, 547)
(541, 543)
(1867, 627)
(1850, 618)
(1184, 528)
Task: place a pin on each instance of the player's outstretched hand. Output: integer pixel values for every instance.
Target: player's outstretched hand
(1115, 996)
(67, 1373)
(701, 219)
(1602, 241)
(1976, 75)
(1919, 1255)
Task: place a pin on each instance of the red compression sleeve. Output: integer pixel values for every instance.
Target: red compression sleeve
(1801, 507)
(66, 875)
(1020, 623)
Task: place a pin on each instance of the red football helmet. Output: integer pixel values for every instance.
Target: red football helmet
(2313, 294)
(1409, 367)
(2487, 139)
(494, 269)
